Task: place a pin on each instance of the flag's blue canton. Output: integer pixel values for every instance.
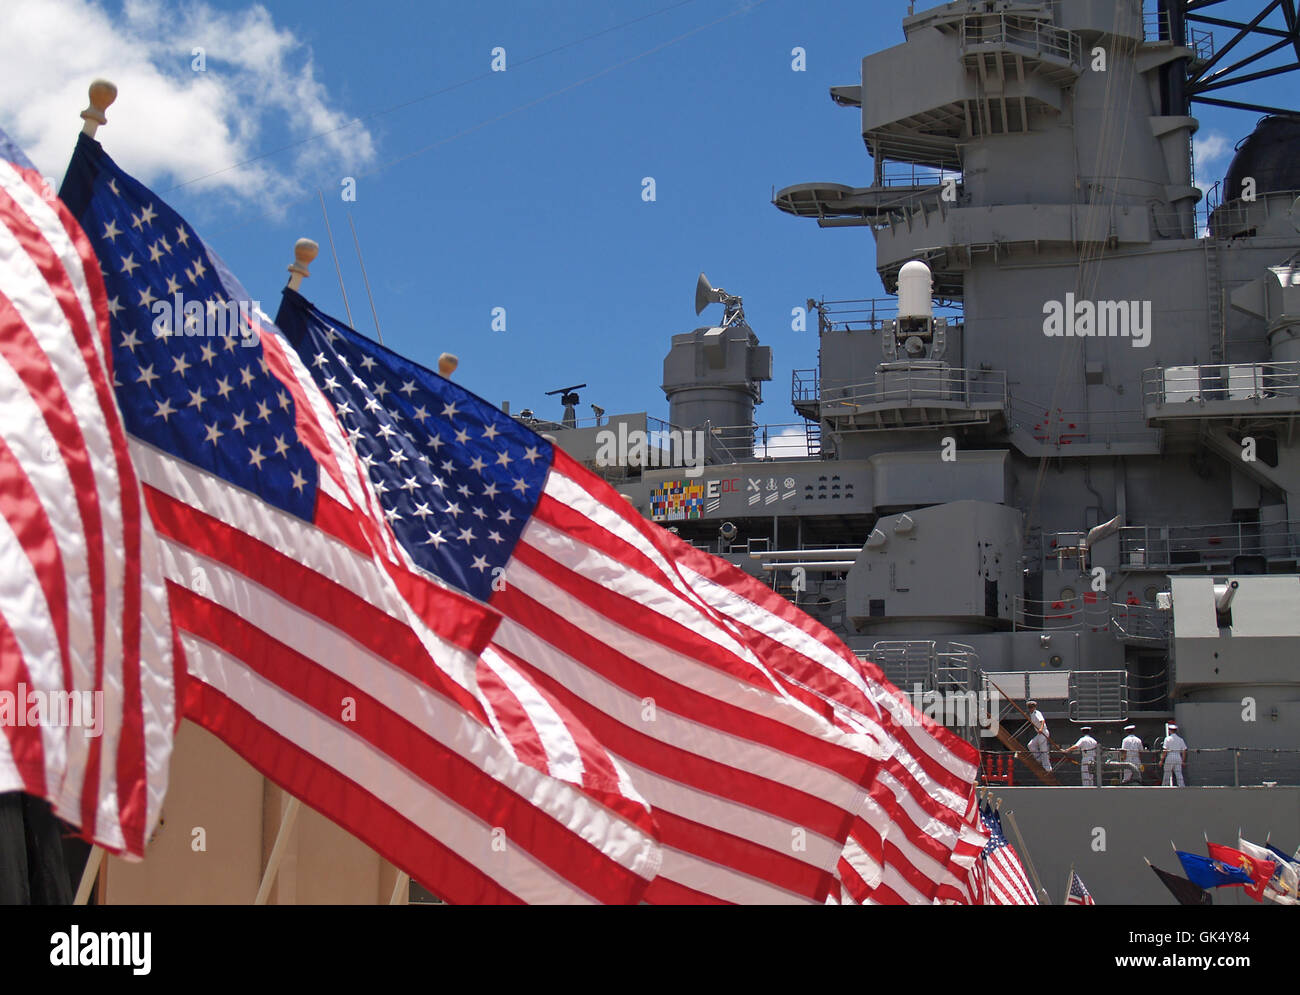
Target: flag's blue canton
(993, 825)
(458, 479)
(1076, 887)
(207, 399)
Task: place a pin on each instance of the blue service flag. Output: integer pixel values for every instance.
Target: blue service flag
(1209, 873)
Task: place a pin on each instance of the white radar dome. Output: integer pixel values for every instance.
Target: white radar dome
(914, 290)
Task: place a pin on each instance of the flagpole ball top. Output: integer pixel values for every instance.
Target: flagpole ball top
(102, 94)
(304, 252)
(447, 364)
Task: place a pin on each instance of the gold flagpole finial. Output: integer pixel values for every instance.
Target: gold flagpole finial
(102, 94)
(304, 251)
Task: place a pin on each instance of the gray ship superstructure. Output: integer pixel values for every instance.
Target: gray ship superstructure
(1062, 462)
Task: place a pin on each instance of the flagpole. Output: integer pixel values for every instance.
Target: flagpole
(101, 95)
(287, 820)
(365, 279)
(1068, 881)
(400, 889)
(1038, 885)
(338, 269)
(93, 862)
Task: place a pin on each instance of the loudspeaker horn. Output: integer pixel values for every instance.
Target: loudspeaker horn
(704, 294)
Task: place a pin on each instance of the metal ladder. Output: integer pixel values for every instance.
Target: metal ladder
(812, 431)
(1214, 295)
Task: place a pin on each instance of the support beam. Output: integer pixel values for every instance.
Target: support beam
(1237, 105)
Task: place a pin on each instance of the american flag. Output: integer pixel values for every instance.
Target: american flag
(758, 738)
(358, 685)
(87, 695)
(1006, 883)
(1077, 893)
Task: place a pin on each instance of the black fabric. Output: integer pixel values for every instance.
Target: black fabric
(1187, 892)
(32, 867)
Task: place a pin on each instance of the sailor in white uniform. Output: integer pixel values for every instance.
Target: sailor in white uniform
(1087, 747)
(1039, 745)
(1175, 749)
(1132, 747)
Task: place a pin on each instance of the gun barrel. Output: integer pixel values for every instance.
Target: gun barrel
(1223, 599)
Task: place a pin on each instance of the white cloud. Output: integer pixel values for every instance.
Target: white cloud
(1210, 149)
(789, 442)
(171, 124)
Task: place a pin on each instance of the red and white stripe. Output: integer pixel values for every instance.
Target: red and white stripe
(754, 788)
(361, 688)
(82, 602)
(1005, 882)
(914, 841)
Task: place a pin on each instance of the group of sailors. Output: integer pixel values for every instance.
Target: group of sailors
(1173, 751)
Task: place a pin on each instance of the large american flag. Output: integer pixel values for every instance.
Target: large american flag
(1005, 880)
(759, 739)
(85, 639)
(358, 684)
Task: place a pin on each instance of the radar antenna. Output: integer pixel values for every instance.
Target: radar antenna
(570, 401)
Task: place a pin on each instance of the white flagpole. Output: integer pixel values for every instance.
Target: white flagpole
(365, 279)
(401, 892)
(93, 862)
(338, 269)
(287, 820)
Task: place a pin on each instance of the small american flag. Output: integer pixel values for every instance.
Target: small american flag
(1006, 880)
(1078, 894)
(87, 695)
(359, 686)
(758, 738)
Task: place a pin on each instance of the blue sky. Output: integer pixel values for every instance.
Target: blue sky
(473, 199)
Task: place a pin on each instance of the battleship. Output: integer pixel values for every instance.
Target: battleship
(1057, 462)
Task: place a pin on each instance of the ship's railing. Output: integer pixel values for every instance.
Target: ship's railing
(1141, 623)
(1026, 34)
(911, 174)
(653, 425)
(902, 386)
(1028, 685)
(1236, 216)
(1237, 767)
(727, 444)
(1087, 611)
(869, 314)
(1220, 382)
(1129, 620)
(805, 385)
(1098, 696)
(1156, 27)
(1213, 219)
(907, 663)
(1146, 547)
(1060, 427)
